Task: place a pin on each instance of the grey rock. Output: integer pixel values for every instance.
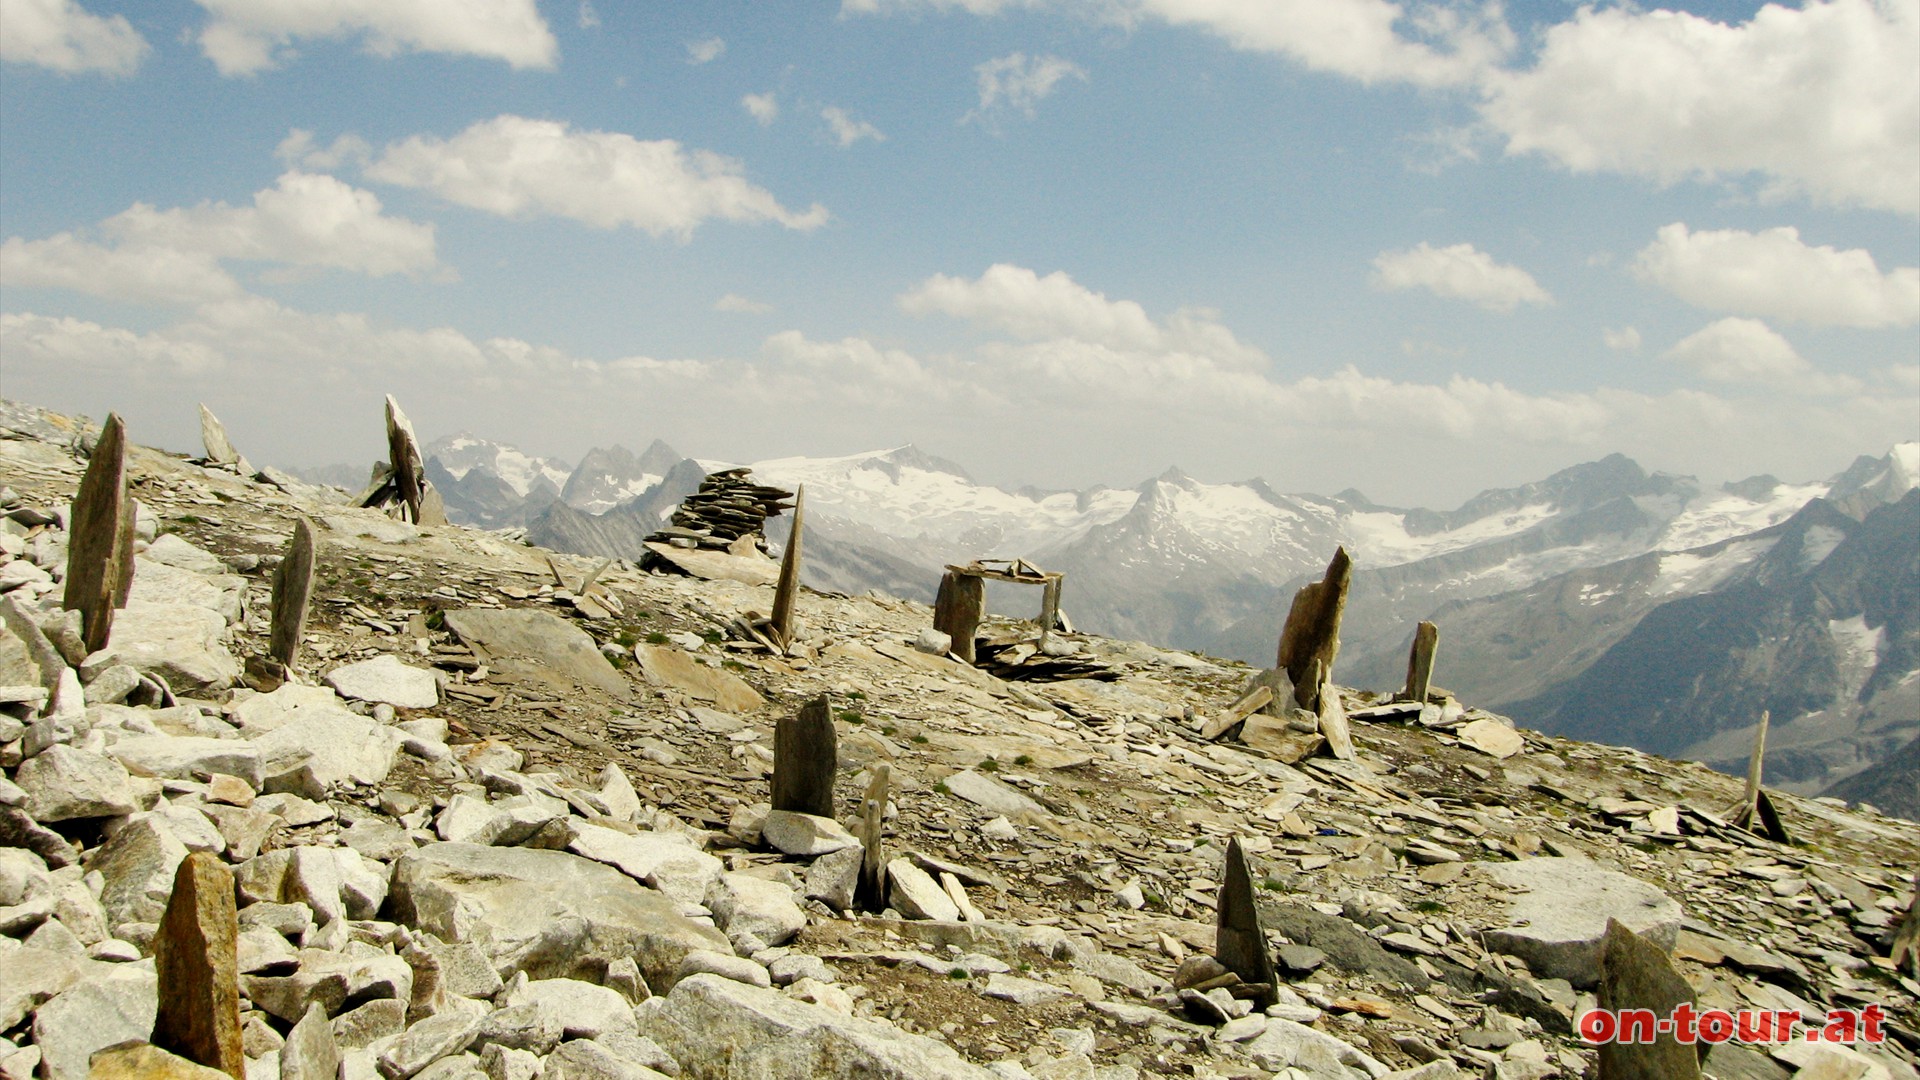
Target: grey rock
(716, 1028)
(370, 1023)
(1284, 1043)
(427, 1042)
(548, 913)
(1022, 991)
(386, 678)
(833, 879)
(1557, 925)
(112, 684)
(113, 1003)
(320, 747)
(796, 966)
(536, 644)
(917, 895)
(991, 794)
(529, 1026)
(744, 905)
(179, 553)
(310, 1052)
(582, 1010)
(189, 758)
(138, 862)
(667, 861)
(725, 965)
(807, 835)
(64, 783)
(29, 977)
(583, 1059)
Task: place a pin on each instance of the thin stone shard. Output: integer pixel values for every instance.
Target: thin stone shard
(1426, 639)
(804, 760)
(1240, 944)
(1312, 631)
(213, 436)
(196, 956)
(871, 893)
(100, 537)
(292, 592)
(789, 584)
(1636, 974)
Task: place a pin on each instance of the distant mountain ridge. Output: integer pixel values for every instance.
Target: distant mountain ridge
(1536, 587)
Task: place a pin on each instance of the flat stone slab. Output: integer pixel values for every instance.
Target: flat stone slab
(794, 833)
(664, 665)
(386, 679)
(536, 644)
(983, 790)
(1558, 915)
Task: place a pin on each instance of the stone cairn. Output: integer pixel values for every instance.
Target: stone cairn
(728, 507)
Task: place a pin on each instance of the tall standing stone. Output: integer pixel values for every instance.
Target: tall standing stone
(1312, 631)
(1049, 606)
(1240, 944)
(292, 589)
(804, 760)
(409, 473)
(213, 435)
(1426, 639)
(100, 537)
(958, 609)
(1636, 974)
(1333, 719)
(789, 583)
(1905, 952)
(871, 892)
(196, 958)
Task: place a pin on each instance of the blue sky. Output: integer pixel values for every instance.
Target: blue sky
(1415, 248)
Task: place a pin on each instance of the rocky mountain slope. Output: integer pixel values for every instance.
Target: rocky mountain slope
(478, 834)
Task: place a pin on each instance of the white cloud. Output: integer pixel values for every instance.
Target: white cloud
(705, 51)
(734, 302)
(1775, 275)
(846, 130)
(248, 36)
(1735, 350)
(589, 18)
(1625, 339)
(762, 107)
(1021, 302)
(1360, 39)
(1459, 272)
(62, 36)
(517, 167)
(1823, 100)
(298, 150)
(175, 256)
(1019, 82)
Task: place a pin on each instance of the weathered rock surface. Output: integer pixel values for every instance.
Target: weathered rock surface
(1558, 919)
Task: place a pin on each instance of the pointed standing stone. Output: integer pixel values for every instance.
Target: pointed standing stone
(1241, 945)
(311, 1052)
(292, 589)
(958, 609)
(1742, 814)
(1636, 974)
(871, 893)
(789, 584)
(100, 537)
(1426, 639)
(214, 437)
(1049, 607)
(804, 760)
(421, 505)
(1312, 631)
(195, 956)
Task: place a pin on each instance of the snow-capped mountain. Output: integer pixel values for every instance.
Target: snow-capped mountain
(609, 476)
(461, 453)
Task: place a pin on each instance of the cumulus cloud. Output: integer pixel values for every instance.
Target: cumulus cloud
(1459, 272)
(243, 37)
(589, 17)
(1624, 339)
(1822, 100)
(176, 255)
(62, 36)
(734, 302)
(518, 167)
(764, 108)
(705, 51)
(1019, 82)
(846, 130)
(1443, 45)
(298, 150)
(1021, 302)
(1775, 275)
(1736, 350)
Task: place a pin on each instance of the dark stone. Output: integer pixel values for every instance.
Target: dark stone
(804, 760)
(195, 956)
(100, 537)
(1299, 959)
(292, 589)
(1636, 974)
(1240, 944)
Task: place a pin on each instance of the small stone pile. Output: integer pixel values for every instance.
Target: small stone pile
(728, 506)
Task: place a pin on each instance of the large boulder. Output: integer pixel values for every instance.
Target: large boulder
(676, 669)
(318, 747)
(64, 783)
(717, 1028)
(548, 913)
(1557, 917)
(386, 679)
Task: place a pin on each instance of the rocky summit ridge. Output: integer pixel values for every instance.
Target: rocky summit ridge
(506, 816)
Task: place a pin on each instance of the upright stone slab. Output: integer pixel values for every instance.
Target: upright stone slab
(311, 1052)
(871, 893)
(1312, 631)
(1426, 639)
(213, 435)
(1636, 975)
(958, 609)
(1240, 944)
(409, 474)
(292, 589)
(789, 584)
(100, 537)
(804, 760)
(1049, 607)
(1905, 952)
(196, 958)
(1333, 720)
